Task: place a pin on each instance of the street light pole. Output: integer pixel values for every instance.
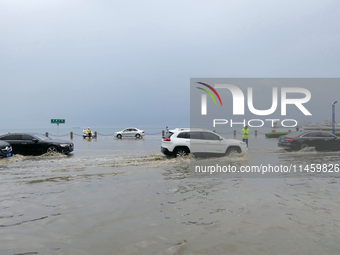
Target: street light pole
(333, 117)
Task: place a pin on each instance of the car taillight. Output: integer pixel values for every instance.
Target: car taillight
(289, 140)
(166, 139)
(143, 132)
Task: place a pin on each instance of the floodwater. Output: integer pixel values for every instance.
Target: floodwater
(124, 197)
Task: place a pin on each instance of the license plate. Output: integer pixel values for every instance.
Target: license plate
(8, 154)
(282, 140)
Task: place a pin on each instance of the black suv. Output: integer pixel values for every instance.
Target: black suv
(36, 144)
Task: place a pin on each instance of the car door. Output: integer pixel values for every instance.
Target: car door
(213, 143)
(127, 132)
(133, 132)
(197, 144)
(31, 145)
(311, 139)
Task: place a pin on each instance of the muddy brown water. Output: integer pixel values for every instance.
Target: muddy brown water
(124, 197)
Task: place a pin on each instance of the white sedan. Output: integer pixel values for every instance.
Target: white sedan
(129, 132)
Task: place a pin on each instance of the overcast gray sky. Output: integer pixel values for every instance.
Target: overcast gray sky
(122, 63)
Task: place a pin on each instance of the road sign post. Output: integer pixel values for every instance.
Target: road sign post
(58, 121)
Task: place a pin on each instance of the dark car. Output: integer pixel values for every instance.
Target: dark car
(321, 140)
(5, 149)
(36, 144)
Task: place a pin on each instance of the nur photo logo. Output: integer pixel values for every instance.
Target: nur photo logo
(271, 98)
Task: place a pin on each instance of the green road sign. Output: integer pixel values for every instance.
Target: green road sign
(57, 121)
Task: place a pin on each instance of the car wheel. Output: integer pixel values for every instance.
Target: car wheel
(119, 136)
(181, 152)
(304, 145)
(137, 135)
(233, 150)
(52, 150)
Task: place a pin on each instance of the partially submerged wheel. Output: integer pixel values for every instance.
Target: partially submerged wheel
(52, 150)
(119, 136)
(137, 135)
(181, 152)
(233, 150)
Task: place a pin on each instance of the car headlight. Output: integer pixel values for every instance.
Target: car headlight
(64, 144)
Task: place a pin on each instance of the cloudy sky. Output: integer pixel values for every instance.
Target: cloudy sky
(121, 63)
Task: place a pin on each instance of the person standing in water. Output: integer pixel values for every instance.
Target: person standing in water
(245, 134)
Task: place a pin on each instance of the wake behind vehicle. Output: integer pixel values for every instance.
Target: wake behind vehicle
(201, 142)
(36, 144)
(321, 140)
(130, 132)
(5, 149)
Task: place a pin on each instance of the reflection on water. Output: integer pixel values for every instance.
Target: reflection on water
(124, 197)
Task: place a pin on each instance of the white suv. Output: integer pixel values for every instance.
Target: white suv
(182, 141)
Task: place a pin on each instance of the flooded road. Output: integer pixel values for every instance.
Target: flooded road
(124, 197)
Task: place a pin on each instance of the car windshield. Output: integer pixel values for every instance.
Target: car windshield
(42, 137)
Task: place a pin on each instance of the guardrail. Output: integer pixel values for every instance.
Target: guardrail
(234, 132)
